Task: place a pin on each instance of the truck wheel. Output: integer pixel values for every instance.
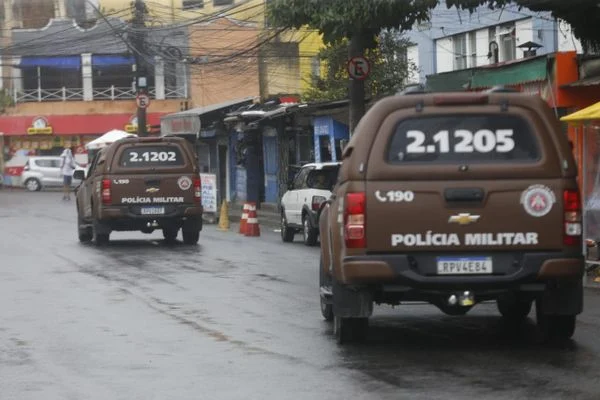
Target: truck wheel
(190, 236)
(555, 328)
(326, 304)
(287, 233)
(514, 309)
(309, 233)
(350, 330)
(84, 232)
(170, 234)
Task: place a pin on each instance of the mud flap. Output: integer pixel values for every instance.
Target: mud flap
(351, 301)
(101, 228)
(562, 298)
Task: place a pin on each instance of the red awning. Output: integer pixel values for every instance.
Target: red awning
(63, 125)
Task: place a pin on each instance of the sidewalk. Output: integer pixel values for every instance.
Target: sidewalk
(268, 215)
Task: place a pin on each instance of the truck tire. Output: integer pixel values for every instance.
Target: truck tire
(309, 233)
(326, 304)
(555, 328)
(287, 233)
(170, 234)
(514, 309)
(84, 232)
(190, 236)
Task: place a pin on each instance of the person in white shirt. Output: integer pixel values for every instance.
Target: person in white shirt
(67, 167)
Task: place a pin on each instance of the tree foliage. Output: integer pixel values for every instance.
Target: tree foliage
(339, 19)
(389, 69)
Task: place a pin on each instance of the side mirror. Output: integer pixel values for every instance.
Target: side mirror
(79, 174)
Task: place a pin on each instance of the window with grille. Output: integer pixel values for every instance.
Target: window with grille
(459, 48)
(192, 4)
(222, 2)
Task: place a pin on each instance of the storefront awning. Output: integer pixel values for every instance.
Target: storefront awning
(455, 81)
(111, 60)
(589, 113)
(65, 62)
(65, 125)
(510, 74)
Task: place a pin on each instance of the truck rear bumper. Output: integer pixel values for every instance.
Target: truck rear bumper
(420, 271)
(124, 218)
(127, 212)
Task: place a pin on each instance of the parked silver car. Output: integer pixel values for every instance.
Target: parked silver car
(44, 171)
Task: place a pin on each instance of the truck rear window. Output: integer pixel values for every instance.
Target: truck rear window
(151, 156)
(460, 138)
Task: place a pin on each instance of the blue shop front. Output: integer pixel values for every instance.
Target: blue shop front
(330, 137)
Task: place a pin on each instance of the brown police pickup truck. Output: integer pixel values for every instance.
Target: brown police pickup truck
(455, 199)
(141, 184)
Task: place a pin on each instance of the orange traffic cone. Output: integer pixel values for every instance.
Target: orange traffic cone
(244, 218)
(252, 227)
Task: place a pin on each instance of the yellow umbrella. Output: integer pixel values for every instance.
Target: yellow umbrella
(588, 113)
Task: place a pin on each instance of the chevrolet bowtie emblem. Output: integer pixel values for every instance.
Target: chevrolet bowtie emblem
(152, 190)
(463, 219)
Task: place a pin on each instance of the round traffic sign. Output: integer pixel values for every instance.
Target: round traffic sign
(359, 68)
(142, 100)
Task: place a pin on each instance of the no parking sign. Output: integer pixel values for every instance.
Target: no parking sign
(359, 68)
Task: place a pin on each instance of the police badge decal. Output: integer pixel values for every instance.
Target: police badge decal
(538, 200)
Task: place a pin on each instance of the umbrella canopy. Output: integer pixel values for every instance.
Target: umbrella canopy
(108, 138)
(589, 113)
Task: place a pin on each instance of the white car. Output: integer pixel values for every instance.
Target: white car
(302, 203)
(44, 171)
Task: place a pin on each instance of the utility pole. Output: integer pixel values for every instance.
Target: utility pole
(139, 52)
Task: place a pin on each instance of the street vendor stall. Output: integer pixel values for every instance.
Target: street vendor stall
(103, 141)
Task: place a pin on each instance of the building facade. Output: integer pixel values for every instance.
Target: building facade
(456, 40)
(64, 83)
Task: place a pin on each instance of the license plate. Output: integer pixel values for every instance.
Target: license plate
(153, 210)
(464, 265)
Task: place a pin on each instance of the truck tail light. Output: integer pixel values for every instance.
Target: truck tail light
(197, 190)
(106, 193)
(317, 201)
(354, 220)
(572, 218)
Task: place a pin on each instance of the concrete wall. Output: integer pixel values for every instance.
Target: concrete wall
(90, 107)
(219, 75)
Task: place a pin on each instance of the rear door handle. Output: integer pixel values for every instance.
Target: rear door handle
(474, 195)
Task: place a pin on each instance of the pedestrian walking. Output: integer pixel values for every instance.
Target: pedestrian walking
(67, 167)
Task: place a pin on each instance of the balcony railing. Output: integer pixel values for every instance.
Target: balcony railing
(62, 94)
(113, 93)
(77, 94)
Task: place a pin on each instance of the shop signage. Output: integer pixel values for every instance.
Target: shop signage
(209, 192)
(39, 126)
(132, 126)
(180, 125)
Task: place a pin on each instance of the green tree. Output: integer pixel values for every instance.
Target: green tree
(358, 21)
(389, 69)
(582, 15)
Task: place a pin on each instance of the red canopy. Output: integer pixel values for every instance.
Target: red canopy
(62, 125)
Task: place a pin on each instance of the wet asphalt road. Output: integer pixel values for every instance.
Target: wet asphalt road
(238, 318)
